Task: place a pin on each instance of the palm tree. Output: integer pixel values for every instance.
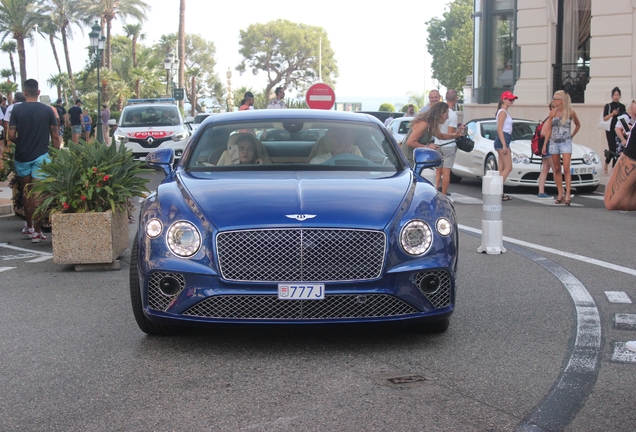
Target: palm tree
(63, 14)
(5, 73)
(108, 10)
(50, 29)
(9, 48)
(18, 19)
(8, 88)
(134, 31)
(60, 82)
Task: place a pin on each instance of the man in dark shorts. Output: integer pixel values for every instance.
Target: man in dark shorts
(61, 113)
(30, 126)
(75, 115)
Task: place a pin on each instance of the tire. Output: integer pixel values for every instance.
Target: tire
(455, 178)
(587, 189)
(144, 323)
(490, 164)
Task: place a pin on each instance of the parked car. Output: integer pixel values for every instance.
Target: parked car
(358, 238)
(149, 124)
(382, 115)
(399, 127)
(198, 119)
(585, 164)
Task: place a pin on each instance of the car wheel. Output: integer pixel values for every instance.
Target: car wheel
(587, 189)
(144, 323)
(455, 178)
(490, 164)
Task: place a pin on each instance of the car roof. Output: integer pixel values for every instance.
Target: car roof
(492, 119)
(277, 115)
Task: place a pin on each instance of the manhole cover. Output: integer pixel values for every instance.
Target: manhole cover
(400, 379)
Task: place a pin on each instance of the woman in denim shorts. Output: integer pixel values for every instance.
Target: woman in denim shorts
(560, 122)
(504, 136)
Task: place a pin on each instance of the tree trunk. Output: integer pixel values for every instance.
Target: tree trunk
(21, 59)
(182, 7)
(15, 78)
(134, 60)
(68, 62)
(107, 57)
(57, 59)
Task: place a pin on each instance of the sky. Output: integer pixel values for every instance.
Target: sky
(380, 47)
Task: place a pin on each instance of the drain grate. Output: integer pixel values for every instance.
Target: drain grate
(409, 379)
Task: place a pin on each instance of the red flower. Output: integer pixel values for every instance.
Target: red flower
(66, 206)
(83, 197)
(94, 169)
(105, 178)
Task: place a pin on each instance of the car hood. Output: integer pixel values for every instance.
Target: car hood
(525, 146)
(265, 199)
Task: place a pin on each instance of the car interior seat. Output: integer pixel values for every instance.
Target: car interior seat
(322, 147)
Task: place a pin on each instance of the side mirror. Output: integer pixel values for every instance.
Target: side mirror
(161, 160)
(426, 158)
(112, 122)
(189, 119)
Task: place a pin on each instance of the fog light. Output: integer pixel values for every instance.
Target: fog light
(169, 286)
(429, 284)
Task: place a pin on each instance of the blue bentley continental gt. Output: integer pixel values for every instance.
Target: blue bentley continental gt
(293, 217)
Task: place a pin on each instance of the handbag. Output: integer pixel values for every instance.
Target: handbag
(465, 143)
(604, 124)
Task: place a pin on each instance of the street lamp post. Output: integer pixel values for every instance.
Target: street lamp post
(97, 42)
(170, 63)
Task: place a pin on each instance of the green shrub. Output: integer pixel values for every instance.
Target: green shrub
(387, 107)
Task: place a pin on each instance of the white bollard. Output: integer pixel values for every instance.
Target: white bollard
(491, 224)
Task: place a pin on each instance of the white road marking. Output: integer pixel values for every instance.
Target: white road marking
(582, 258)
(464, 199)
(617, 297)
(596, 197)
(6, 268)
(40, 259)
(8, 246)
(622, 354)
(625, 321)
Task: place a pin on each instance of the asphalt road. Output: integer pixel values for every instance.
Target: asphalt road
(535, 344)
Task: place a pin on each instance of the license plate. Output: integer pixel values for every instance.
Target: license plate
(301, 291)
(582, 170)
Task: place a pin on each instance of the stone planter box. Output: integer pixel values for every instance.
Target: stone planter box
(89, 238)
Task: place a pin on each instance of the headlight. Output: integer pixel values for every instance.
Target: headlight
(183, 239)
(120, 138)
(180, 136)
(591, 158)
(520, 158)
(154, 228)
(443, 226)
(416, 237)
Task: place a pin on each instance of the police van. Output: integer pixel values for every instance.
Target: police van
(146, 125)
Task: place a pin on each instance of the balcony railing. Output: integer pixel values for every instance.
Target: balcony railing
(572, 78)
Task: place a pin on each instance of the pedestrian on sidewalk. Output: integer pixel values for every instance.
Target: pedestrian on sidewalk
(75, 116)
(504, 137)
(30, 126)
(620, 193)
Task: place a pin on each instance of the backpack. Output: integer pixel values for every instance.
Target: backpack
(538, 141)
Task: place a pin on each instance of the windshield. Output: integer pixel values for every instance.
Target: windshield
(141, 116)
(293, 145)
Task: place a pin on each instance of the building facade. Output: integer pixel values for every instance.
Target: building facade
(535, 47)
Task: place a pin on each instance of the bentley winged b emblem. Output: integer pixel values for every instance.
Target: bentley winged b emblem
(301, 217)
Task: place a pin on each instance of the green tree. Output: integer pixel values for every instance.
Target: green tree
(289, 53)
(108, 10)
(387, 107)
(417, 99)
(50, 29)
(63, 14)
(134, 32)
(61, 83)
(450, 42)
(18, 19)
(9, 48)
(7, 88)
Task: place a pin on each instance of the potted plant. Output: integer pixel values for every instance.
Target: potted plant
(88, 190)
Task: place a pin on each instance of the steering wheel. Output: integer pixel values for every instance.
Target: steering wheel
(348, 159)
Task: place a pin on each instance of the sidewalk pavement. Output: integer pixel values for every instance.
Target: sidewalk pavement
(6, 204)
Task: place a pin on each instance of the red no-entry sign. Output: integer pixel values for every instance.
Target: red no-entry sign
(320, 96)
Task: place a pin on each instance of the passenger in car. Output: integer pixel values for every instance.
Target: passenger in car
(250, 151)
(338, 141)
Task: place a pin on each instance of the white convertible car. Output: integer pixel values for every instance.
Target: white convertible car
(585, 165)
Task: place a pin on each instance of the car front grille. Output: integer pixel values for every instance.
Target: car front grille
(270, 307)
(144, 142)
(297, 255)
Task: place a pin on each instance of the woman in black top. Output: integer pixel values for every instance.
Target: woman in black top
(612, 110)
